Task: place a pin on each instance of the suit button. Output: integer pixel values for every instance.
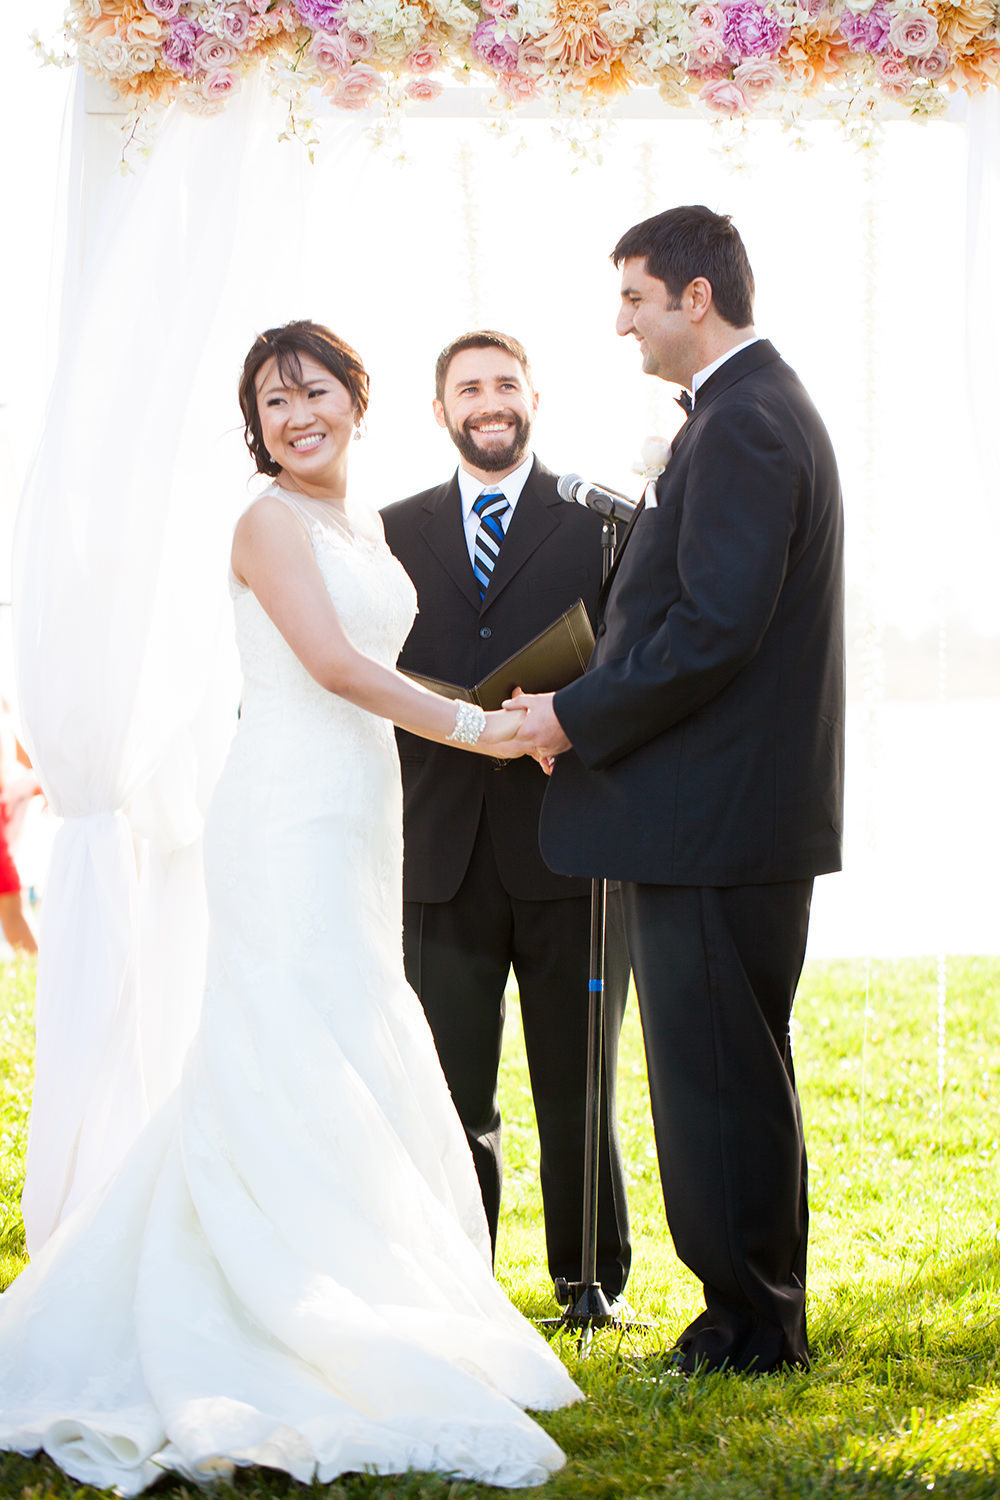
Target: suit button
(601, 628)
(485, 632)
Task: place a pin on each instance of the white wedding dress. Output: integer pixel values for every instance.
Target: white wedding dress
(292, 1266)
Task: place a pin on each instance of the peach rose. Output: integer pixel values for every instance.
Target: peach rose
(757, 78)
(425, 59)
(220, 83)
(357, 88)
(422, 90)
(146, 29)
(893, 74)
(914, 33)
(519, 87)
(723, 97)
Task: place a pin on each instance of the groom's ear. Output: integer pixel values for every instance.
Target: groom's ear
(697, 297)
(439, 413)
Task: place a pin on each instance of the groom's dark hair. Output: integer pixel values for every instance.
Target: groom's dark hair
(482, 338)
(286, 345)
(693, 241)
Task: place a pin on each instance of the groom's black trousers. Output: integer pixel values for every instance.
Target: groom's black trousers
(458, 955)
(715, 971)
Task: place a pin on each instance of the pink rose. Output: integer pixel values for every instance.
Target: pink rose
(236, 24)
(707, 55)
(359, 44)
(494, 7)
(330, 52)
(422, 90)
(708, 18)
(259, 7)
(893, 73)
(211, 52)
(220, 83)
(357, 88)
(518, 87)
(724, 97)
(425, 59)
(936, 64)
(914, 33)
(757, 77)
(164, 9)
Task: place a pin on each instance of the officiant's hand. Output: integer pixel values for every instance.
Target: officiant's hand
(540, 732)
(500, 735)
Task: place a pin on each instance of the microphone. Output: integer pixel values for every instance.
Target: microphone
(606, 503)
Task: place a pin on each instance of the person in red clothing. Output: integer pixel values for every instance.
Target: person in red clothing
(17, 787)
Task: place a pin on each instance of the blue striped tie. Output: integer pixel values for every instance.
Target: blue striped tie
(490, 507)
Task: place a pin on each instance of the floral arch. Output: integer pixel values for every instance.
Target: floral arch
(850, 57)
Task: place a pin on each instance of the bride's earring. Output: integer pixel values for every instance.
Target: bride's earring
(360, 429)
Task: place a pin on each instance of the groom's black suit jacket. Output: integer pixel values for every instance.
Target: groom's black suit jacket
(551, 556)
(708, 731)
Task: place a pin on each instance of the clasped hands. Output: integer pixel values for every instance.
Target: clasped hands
(526, 725)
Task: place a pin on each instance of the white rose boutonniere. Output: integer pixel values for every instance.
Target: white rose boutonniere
(653, 459)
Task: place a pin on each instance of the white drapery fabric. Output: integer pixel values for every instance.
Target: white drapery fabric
(127, 694)
(125, 683)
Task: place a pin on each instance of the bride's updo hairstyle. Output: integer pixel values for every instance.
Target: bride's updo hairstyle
(286, 345)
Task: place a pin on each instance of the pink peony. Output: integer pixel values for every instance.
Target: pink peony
(914, 33)
(357, 88)
(751, 30)
(757, 78)
(936, 64)
(220, 83)
(178, 47)
(211, 52)
(893, 73)
(321, 15)
(868, 32)
(424, 59)
(498, 53)
(422, 90)
(329, 52)
(723, 97)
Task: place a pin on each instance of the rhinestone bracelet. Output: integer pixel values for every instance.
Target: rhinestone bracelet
(470, 721)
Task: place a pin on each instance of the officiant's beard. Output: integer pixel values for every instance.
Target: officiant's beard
(492, 460)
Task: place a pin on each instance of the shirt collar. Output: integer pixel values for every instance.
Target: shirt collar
(709, 370)
(510, 485)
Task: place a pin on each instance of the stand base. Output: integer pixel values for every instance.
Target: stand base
(587, 1308)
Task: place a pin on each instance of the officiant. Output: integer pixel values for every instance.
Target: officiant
(496, 556)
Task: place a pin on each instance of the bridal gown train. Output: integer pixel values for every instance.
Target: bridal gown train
(292, 1266)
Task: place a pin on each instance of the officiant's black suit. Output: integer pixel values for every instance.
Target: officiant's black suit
(477, 895)
(707, 773)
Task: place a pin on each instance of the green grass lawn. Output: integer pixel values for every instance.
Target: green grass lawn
(904, 1395)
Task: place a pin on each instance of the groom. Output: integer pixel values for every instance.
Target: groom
(700, 760)
(478, 898)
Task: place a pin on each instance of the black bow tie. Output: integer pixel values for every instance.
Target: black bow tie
(686, 402)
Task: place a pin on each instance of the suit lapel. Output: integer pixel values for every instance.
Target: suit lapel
(444, 532)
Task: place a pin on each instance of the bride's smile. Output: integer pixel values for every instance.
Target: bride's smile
(307, 425)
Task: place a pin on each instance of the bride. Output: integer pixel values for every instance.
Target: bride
(292, 1266)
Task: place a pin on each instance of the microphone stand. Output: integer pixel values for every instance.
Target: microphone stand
(587, 1306)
